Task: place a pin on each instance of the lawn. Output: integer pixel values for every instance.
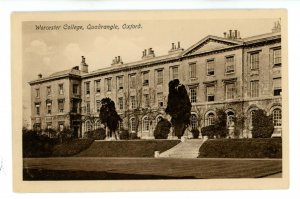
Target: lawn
(75, 168)
(132, 148)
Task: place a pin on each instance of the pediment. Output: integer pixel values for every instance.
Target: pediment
(210, 43)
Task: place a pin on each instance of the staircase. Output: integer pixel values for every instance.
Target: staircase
(186, 149)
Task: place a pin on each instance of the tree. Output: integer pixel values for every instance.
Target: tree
(162, 129)
(109, 116)
(262, 124)
(178, 107)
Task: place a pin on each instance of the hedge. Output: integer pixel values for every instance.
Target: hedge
(71, 148)
(242, 148)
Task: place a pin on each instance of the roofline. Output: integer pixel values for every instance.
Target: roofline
(52, 78)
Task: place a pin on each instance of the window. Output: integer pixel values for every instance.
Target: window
(97, 86)
(88, 126)
(48, 90)
(88, 107)
(277, 117)
(49, 108)
(193, 74)
(98, 106)
(75, 107)
(146, 124)
(133, 102)
(230, 118)
(120, 100)
(132, 81)
(120, 82)
(254, 61)
(175, 72)
(132, 125)
(97, 124)
(277, 57)
(146, 100)
(210, 65)
(37, 93)
(87, 88)
(75, 89)
(251, 117)
(229, 91)
(193, 95)
(210, 93)
(277, 86)
(160, 77)
(121, 125)
(37, 109)
(61, 89)
(229, 64)
(160, 99)
(108, 84)
(60, 106)
(146, 78)
(210, 120)
(254, 88)
(194, 121)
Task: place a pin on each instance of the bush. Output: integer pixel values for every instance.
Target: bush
(262, 125)
(124, 134)
(98, 134)
(219, 129)
(242, 148)
(162, 129)
(195, 133)
(208, 131)
(133, 136)
(71, 148)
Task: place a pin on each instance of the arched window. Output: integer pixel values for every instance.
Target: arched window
(230, 118)
(210, 119)
(132, 125)
(277, 117)
(88, 126)
(251, 118)
(146, 124)
(194, 121)
(97, 124)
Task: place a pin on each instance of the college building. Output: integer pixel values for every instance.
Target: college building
(239, 75)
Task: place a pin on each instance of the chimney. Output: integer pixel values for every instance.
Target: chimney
(40, 76)
(236, 34)
(83, 65)
(230, 34)
(178, 45)
(225, 34)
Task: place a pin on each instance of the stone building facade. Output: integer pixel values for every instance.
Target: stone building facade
(232, 73)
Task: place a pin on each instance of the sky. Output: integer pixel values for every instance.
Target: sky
(50, 51)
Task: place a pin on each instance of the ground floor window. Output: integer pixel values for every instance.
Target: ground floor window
(132, 125)
(194, 122)
(146, 124)
(210, 119)
(230, 118)
(277, 117)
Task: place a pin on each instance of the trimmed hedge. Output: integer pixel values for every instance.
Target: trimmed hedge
(98, 134)
(162, 129)
(71, 148)
(242, 148)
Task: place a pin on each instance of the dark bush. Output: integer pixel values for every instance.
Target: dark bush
(219, 129)
(162, 129)
(195, 133)
(133, 136)
(242, 148)
(262, 124)
(124, 134)
(71, 148)
(98, 134)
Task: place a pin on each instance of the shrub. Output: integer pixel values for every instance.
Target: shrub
(219, 129)
(98, 134)
(262, 125)
(195, 133)
(133, 136)
(71, 148)
(162, 129)
(208, 131)
(124, 134)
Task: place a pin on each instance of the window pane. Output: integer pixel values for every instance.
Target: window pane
(254, 61)
(230, 64)
(160, 77)
(193, 93)
(193, 74)
(230, 91)
(254, 88)
(210, 64)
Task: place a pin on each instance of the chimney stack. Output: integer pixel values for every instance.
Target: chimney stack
(225, 34)
(230, 34)
(40, 76)
(83, 65)
(173, 46)
(178, 46)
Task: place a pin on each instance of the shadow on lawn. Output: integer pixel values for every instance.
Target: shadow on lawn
(42, 174)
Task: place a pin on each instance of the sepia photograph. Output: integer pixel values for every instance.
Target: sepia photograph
(164, 100)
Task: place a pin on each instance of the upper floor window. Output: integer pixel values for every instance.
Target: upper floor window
(160, 99)
(146, 100)
(193, 93)
(48, 90)
(120, 82)
(277, 86)
(61, 89)
(132, 81)
(160, 77)
(108, 84)
(121, 103)
(277, 57)
(97, 86)
(254, 88)
(75, 89)
(88, 107)
(87, 88)
(210, 93)
(229, 64)
(193, 71)
(210, 65)
(49, 108)
(175, 72)
(133, 102)
(98, 105)
(37, 109)
(61, 106)
(37, 93)
(254, 61)
(75, 107)
(146, 78)
(230, 90)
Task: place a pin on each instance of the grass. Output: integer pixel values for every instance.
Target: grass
(242, 148)
(77, 168)
(132, 148)
(71, 148)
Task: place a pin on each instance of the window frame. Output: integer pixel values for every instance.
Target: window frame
(227, 64)
(210, 66)
(253, 87)
(160, 76)
(254, 63)
(193, 70)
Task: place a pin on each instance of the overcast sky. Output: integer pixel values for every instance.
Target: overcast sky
(51, 51)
